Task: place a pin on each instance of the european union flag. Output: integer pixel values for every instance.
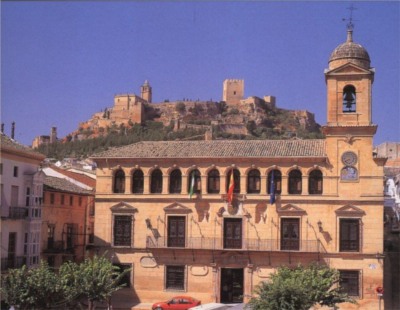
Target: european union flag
(272, 189)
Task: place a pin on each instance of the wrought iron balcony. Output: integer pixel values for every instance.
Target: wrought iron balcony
(58, 247)
(16, 213)
(14, 262)
(271, 245)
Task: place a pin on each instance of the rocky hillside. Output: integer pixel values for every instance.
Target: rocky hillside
(251, 118)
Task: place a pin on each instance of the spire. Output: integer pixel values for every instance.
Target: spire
(349, 35)
(350, 25)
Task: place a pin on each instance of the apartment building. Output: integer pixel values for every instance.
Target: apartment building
(68, 216)
(21, 204)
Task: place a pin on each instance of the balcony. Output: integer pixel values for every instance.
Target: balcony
(16, 213)
(54, 247)
(270, 245)
(10, 263)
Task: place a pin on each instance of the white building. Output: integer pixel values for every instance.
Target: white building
(21, 199)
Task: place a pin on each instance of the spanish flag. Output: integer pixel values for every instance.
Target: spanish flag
(231, 188)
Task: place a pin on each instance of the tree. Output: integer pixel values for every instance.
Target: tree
(96, 279)
(13, 286)
(299, 289)
(36, 288)
(180, 107)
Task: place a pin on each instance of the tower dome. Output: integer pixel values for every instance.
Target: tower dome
(349, 52)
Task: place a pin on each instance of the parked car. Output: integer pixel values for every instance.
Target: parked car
(177, 303)
(211, 306)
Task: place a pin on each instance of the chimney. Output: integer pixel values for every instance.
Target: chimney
(12, 130)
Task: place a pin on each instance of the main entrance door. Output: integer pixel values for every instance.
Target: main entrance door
(231, 285)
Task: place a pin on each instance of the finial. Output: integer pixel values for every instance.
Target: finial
(350, 25)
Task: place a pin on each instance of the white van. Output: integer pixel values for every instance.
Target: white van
(211, 306)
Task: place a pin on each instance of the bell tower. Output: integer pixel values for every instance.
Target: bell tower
(349, 81)
(349, 127)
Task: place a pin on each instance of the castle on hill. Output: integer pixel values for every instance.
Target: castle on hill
(231, 115)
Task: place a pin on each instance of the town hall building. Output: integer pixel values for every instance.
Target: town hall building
(165, 208)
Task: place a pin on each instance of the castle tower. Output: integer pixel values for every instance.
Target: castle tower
(233, 91)
(146, 91)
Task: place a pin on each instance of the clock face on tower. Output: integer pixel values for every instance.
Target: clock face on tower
(349, 158)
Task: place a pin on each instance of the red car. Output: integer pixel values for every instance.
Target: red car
(177, 303)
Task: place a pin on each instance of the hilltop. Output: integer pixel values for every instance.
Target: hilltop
(134, 118)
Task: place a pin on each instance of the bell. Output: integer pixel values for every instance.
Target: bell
(349, 96)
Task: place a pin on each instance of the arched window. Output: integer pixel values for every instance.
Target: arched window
(175, 182)
(156, 182)
(315, 182)
(349, 99)
(119, 181)
(195, 181)
(137, 182)
(253, 182)
(277, 181)
(236, 179)
(213, 182)
(295, 182)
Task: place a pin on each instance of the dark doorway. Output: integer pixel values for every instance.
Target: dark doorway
(231, 285)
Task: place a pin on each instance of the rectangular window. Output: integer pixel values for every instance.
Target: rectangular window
(80, 200)
(28, 197)
(52, 198)
(14, 196)
(1, 168)
(350, 282)
(232, 233)
(62, 199)
(176, 231)
(26, 244)
(15, 172)
(175, 278)
(70, 236)
(290, 228)
(71, 200)
(12, 245)
(122, 230)
(50, 236)
(349, 235)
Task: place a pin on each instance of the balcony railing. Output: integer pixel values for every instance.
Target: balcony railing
(18, 213)
(10, 263)
(58, 247)
(311, 246)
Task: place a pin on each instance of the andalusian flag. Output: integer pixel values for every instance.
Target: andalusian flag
(231, 188)
(191, 191)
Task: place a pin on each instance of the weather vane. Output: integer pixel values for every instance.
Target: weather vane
(350, 25)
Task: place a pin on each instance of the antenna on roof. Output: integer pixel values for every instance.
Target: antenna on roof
(350, 25)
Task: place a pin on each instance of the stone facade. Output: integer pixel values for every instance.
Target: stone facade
(325, 205)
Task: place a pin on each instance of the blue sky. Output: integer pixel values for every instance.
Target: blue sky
(63, 61)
